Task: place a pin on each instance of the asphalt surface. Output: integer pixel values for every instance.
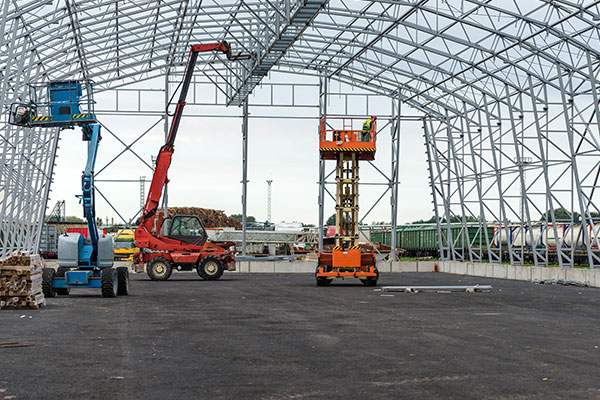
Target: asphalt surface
(268, 336)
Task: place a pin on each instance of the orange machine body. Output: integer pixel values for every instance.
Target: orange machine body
(351, 263)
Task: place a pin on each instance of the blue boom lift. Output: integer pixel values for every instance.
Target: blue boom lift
(83, 262)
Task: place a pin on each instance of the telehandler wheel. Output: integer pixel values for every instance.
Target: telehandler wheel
(60, 273)
(47, 276)
(159, 269)
(108, 282)
(210, 268)
(122, 281)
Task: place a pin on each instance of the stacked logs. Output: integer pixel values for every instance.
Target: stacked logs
(210, 218)
(21, 281)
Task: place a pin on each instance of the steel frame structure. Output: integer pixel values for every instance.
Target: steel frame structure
(506, 88)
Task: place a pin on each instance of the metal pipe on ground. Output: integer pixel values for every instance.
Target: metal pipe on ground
(414, 289)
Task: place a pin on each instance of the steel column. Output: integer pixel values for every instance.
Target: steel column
(395, 175)
(323, 82)
(244, 171)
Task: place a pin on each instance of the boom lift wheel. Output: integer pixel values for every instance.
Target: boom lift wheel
(60, 273)
(122, 281)
(159, 269)
(108, 282)
(210, 268)
(47, 276)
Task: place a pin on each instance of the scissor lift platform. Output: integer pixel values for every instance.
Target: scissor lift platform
(333, 142)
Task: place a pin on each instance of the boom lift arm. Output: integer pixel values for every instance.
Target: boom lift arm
(91, 133)
(163, 161)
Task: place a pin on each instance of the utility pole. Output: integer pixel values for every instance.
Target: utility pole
(269, 182)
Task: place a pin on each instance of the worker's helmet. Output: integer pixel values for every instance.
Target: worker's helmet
(20, 111)
(373, 116)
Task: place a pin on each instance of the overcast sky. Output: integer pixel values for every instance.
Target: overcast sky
(206, 169)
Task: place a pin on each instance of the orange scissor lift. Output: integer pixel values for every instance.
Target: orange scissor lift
(347, 146)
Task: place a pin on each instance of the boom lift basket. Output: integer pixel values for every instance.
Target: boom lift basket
(63, 104)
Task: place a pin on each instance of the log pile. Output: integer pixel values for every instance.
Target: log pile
(21, 281)
(210, 218)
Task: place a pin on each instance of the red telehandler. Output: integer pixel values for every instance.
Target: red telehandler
(179, 241)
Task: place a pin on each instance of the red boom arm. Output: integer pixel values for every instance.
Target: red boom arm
(163, 161)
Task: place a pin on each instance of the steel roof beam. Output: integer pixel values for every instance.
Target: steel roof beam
(276, 46)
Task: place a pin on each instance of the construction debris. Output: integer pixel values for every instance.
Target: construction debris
(563, 282)
(438, 289)
(210, 218)
(21, 281)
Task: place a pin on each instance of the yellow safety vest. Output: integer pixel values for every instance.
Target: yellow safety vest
(367, 125)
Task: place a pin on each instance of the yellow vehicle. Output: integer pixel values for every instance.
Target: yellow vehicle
(124, 246)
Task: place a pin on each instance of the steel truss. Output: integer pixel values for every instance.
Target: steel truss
(507, 90)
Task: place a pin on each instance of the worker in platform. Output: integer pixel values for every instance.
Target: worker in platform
(366, 132)
(22, 116)
(337, 137)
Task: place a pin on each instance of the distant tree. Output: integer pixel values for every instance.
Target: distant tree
(72, 218)
(330, 220)
(429, 221)
(238, 217)
(453, 219)
(560, 214)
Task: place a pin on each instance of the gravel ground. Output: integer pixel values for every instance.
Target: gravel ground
(269, 336)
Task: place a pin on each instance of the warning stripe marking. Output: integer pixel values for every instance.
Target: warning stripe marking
(344, 149)
(349, 248)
